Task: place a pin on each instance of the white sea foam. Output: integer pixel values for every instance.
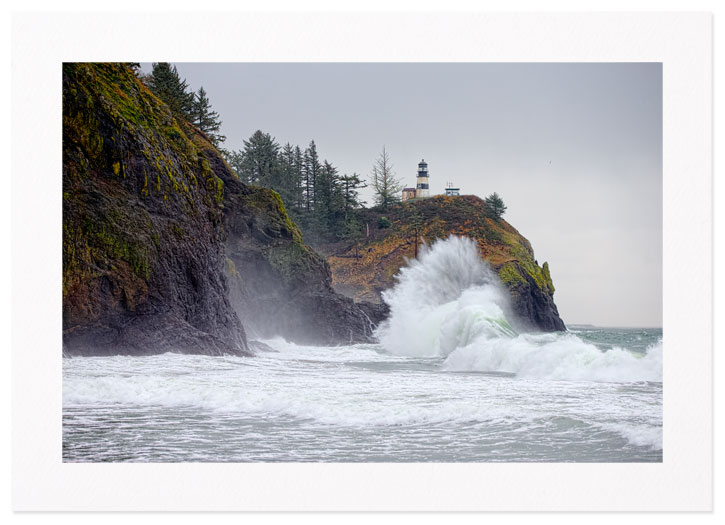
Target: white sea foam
(640, 435)
(443, 300)
(449, 303)
(299, 385)
(344, 401)
(563, 357)
(418, 396)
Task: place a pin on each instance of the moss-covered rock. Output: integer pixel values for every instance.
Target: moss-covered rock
(164, 249)
(143, 246)
(384, 251)
(278, 284)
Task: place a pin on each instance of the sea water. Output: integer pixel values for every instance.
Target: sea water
(450, 380)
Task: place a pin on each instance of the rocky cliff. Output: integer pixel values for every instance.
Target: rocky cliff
(143, 251)
(279, 285)
(364, 269)
(154, 225)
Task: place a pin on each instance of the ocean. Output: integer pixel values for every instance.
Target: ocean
(449, 380)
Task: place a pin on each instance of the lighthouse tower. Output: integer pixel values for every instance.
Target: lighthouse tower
(421, 188)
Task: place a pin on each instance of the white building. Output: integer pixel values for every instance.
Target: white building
(421, 188)
(451, 191)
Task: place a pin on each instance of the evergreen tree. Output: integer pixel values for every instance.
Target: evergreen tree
(311, 169)
(299, 166)
(386, 186)
(350, 185)
(165, 82)
(495, 207)
(289, 177)
(235, 159)
(351, 227)
(321, 201)
(416, 223)
(352, 231)
(329, 201)
(206, 119)
(258, 162)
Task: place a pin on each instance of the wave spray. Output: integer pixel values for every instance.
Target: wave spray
(448, 303)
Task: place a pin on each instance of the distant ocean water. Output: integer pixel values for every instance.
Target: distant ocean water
(450, 381)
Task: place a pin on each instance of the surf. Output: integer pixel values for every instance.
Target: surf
(449, 303)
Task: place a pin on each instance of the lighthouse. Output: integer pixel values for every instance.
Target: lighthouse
(421, 188)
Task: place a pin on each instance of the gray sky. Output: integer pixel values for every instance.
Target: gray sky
(575, 151)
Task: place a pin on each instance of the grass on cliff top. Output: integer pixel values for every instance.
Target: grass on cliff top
(385, 251)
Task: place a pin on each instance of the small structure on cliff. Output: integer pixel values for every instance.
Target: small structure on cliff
(421, 187)
(408, 193)
(451, 191)
(421, 190)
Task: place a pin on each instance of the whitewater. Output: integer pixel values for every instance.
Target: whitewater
(451, 379)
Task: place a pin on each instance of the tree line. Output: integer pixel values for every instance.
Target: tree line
(323, 201)
(193, 106)
(320, 198)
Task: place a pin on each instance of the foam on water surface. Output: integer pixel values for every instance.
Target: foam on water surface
(449, 381)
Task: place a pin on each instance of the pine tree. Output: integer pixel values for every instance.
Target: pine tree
(415, 222)
(351, 184)
(299, 165)
(494, 206)
(289, 175)
(386, 186)
(353, 232)
(206, 119)
(165, 82)
(329, 202)
(259, 162)
(235, 159)
(311, 170)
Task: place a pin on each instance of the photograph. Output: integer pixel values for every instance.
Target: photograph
(362, 262)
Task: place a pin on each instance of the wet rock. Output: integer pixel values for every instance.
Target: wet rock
(143, 247)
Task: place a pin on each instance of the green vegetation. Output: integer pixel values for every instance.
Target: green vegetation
(322, 201)
(291, 260)
(94, 248)
(166, 83)
(387, 187)
(307, 190)
(205, 118)
(495, 206)
(384, 222)
(111, 243)
(258, 162)
(510, 276)
(283, 246)
(115, 128)
(368, 264)
(191, 107)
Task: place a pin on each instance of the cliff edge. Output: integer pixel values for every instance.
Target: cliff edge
(143, 251)
(364, 269)
(164, 249)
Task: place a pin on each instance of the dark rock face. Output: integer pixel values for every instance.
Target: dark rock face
(143, 247)
(533, 305)
(278, 284)
(156, 226)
